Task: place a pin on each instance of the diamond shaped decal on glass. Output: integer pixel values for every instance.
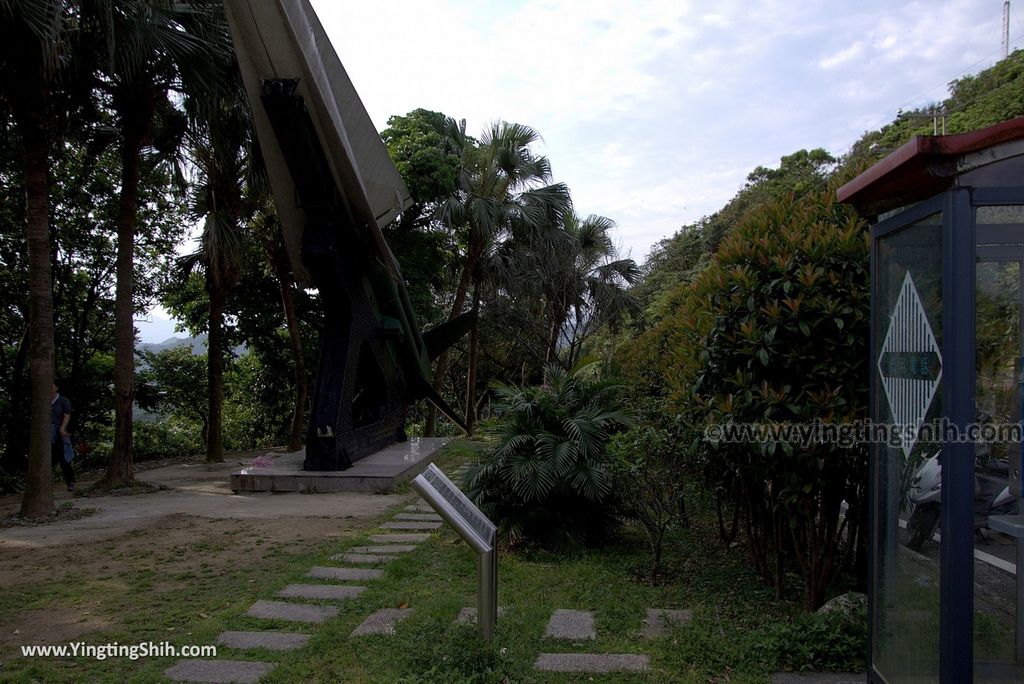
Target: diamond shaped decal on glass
(910, 364)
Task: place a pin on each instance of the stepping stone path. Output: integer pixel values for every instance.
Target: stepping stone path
(660, 621)
(399, 538)
(292, 612)
(321, 572)
(411, 525)
(321, 591)
(382, 622)
(592, 662)
(362, 558)
(201, 670)
(578, 625)
(575, 625)
(386, 548)
(432, 517)
(272, 641)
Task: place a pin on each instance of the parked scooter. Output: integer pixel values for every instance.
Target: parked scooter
(991, 495)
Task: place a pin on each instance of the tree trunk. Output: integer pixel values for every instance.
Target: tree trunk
(121, 469)
(38, 496)
(474, 342)
(441, 369)
(286, 283)
(215, 372)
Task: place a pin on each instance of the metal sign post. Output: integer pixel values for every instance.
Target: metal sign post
(476, 530)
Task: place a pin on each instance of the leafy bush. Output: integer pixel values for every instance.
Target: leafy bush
(822, 642)
(649, 473)
(549, 478)
(775, 331)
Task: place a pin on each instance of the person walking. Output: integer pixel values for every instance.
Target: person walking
(59, 436)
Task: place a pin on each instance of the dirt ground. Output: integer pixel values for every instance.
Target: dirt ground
(197, 527)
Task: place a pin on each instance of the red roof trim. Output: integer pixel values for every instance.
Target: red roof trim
(907, 167)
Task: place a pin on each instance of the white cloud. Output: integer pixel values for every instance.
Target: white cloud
(842, 57)
(655, 111)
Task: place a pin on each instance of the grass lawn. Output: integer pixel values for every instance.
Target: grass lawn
(153, 601)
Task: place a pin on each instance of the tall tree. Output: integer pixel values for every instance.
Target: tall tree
(503, 189)
(219, 144)
(149, 43)
(34, 50)
(567, 286)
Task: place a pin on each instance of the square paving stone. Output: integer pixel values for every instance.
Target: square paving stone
(274, 641)
(431, 517)
(362, 558)
(399, 538)
(571, 624)
(321, 591)
(384, 548)
(419, 508)
(204, 670)
(592, 662)
(293, 612)
(382, 622)
(322, 572)
(660, 621)
(411, 525)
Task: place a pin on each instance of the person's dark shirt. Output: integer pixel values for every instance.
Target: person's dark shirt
(59, 408)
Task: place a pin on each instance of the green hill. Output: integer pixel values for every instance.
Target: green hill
(984, 99)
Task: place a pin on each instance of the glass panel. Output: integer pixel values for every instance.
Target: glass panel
(906, 375)
(998, 297)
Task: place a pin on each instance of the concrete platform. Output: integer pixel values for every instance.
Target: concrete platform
(378, 472)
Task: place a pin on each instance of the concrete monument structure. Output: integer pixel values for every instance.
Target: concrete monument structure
(335, 188)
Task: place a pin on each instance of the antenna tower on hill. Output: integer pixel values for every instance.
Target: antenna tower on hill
(1006, 29)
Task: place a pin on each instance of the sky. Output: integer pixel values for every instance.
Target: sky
(653, 112)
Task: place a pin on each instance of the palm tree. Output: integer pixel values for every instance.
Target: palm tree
(549, 476)
(149, 43)
(34, 50)
(585, 285)
(501, 192)
(219, 139)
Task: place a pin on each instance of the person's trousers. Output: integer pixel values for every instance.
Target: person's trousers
(57, 457)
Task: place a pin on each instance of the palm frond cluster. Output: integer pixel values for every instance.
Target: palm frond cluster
(549, 477)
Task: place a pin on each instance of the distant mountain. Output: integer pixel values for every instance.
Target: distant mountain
(198, 344)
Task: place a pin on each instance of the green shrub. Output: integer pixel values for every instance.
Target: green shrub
(821, 642)
(649, 468)
(549, 477)
(775, 331)
(165, 439)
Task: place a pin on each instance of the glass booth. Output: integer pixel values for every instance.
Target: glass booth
(945, 600)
